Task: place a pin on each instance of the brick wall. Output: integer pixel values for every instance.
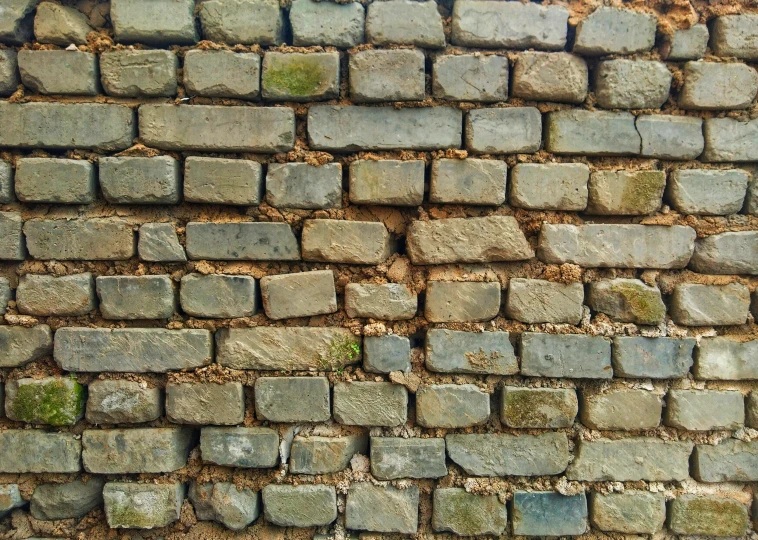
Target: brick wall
(482, 267)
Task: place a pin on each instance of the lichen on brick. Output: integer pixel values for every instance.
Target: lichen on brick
(53, 401)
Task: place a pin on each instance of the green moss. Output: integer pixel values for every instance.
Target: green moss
(341, 352)
(526, 409)
(646, 306)
(643, 192)
(58, 402)
(706, 516)
(296, 77)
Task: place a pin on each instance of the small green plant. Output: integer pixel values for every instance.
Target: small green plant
(341, 351)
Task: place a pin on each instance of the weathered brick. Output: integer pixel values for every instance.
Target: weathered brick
(686, 43)
(351, 242)
(652, 358)
(543, 76)
(244, 241)
(388, 181)
(300, 76)
(299, 506)
(243, 21)
(627, 300)
(161, 22)
(370, 404)
(300, 185)
(731, 460)
(625, 193)
(302, 294)
(538, 407)
(205, 403)
(223, 74)
(549, 186)
(384, 354)
(468, 181)
(540, 301)
(707, 192)
(704, 410)
(52, 452)
(8, 72)
(389, 301)
(716, 86)
(720, 358)
(735, 35)
(17, 23)
(223, 181)
(387, 75)
(594, 133)
(292, 399)
(139, 73)
(12, 245)
(693, 304)
(405, 22)
(122, 402)
(624, 408)
(396, 457)
(454, 351)
(327, 23)
(727, 253)
(6, 296)
(470, 77)
(466, 514)
(142, 506)
(158, 242)
(6, 179)
(247, 447)
(728, 139)
(509, 130)
(451, 406)
(461, 301)
(225, 503)
(382, 509)
(570, 356)
(630, 512)
(140, 180)
(546, 513)
(60, 25)
(704, 515)
(751, 409)
(670, 137)
(136, 297)
(509, 455)
(64, 501)
(139, 450)
(80, 239)
(612, 30)
(53, 401)
(218, 296)
(324, 455)
(632, 84)
(59, 72)
(60, 181)
(20, 345)
(41, 294)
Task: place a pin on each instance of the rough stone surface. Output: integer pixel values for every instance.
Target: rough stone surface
(735, 35)
(538, 407)
(593, 133)
(389, 301)
(65, 501)
(632, 84)
(60, 181)
(54, 401)
(6, 296)
(223, 74)
(465, 514)
(693, 304)
(158, 242)
(10, 498)
(389, 181)
(612, 30)
(455, 351)
(460, 301)
(549, 186)
(20, 345)
(370, 404)
(59, 72)
(160, 22)
(625, 193)
(730, 460)
(631, 512)
(451, 406)
(539, 301)
(142, 506)
(292, 399)
(382, 509)
(41, 294)
(247, 447)
(299, 185)
(6, 175)
(218, 296)
(324, 455)
(245, 241)
(510, 130)
(205, 403)
(751, 409)
(707, 516)
(122, 402)
(468, 181)
(671, 137)
(60, 25)
(469, 77)
(139, 73)
(53, 452)
(687, 43)
(80, 239)
(300, 76)
(627, 300)
(727, 253)
(385, 354)
(707, 192)
(705, 410)
(140, 180)
(302, 294)
(726, 139)
(223, 181)
(143, 450)
(653, 358)
(570, 356)
(405, 22)
(299, 506)
(718, 86)
(8, 72)
(351, 242)
(327, 23)
(396, 457)
(541, 76)
(387, 75)
(12, 246)
(621, 409)
(546, 513)
(18, 20)
(509, 455)
(720, 358)
(243, 21)
(136, 297)
(225, 503)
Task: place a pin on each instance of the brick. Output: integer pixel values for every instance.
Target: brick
(370, 404)
(540, 301)
(470, 77)
(450, 301)
(60, 25)
(751, 409)
(549, 186)
(621, 409)
(12, 245)
(693, 304)
(140, 180)
(299, 506)
(538, 407)
(468, 181)
(627, 300)
(718, 86)
(158, 242)
(720, 358)
(704, 410)
(142, 506)
(625, 193)
(59, 181)
(138, 350)
(289, 349)
(205, 403)
(8, 72)
(686, 43)
(300, 185)
(382, 508)
(611, 30)
(726, 253)
(396, 457)
(510, 130)
(594, 133)
(139, 73)
(243, 22)
(731, 460)
(454, 240)
(632, 84)
(300, 76)
(302, 294)
(630, 460)
(541, 76)
(161, 22)
(212, 128)
(53, 452)
(388, 181)
(514, 26)
(455, 351)
(389, 301)
(671, 137)
(6, 179)
(630, 512)
(465, 514)
(619, 246)
(727, 139)
(405, 22)
(225, 503)
(327, 23)
(707, 192)
(45, 295)
(350, 242)
(20, 345)
(509, 455)
(324, 455)
(52, 401)
(735, 35)
(223, 181)
(569, 356)
(6, 296)
(65, 501)
(122, 402)
(17, 24)
(247, 447)
(292, 399)
(387, 75)
(244, 241)
(546, 513)
(59, 72)
(218, 296)
(451, 406)
(137, 450)
(223, 74)
(136, 297)
(751, 201)
(707, 516)
(384, 354)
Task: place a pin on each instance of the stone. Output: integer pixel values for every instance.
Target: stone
(242, 241)
(625, 193)
(54, 401)
(468, 181)
(727, 139)
(12, 245)
(102, 239)
(385, 354)
(355, 128)
(617, 246)
(670, 137)
(735, 35)
(222, 74)
(731, 460)
(205, 403)
(538, 407)
(539, 301)
(158, 242)
(621, 409)
(139, 73)
(60, 25)
(693, 304)
(300, 76)
(549, 186)
(542, 76)
(388, 301)
(370, 404)
(288, 349)
(327, 23)
(510, 130)
(460, 301)
(59, 72)
(10, 498)
(470, 77)
(6, 296)
(292, 399)
(303, 294)
(162, 22)
(382, 508)
(723, 359)
(727, 253)
(299, 506)
(704, 515)
(350, 242)
(223, 181)
(300, 185)
(58, 181)
(20, 345)
(546, 513)
(136, 297)
(632, 84)
(6, 174)
(627, 300)
(45, 295)
(9, 80)
(396, 457)
(479, 239)
(455, 351)
(387, 182)
(324, 455)
(53, 452)
(593, 133)
(630, 512)
(705, 410)
(140, 180)
(136, 450)
(65, 501)
(706, 191)
(451, 406)
(751, 409)
(137, 350)
(465, 514)
(405, 22)
(218, 296)
(751, 201)
(142, 506)
(567, 355)
(225, 503)
(247, 447)
(17, 23)
(122, 402)
(479, 23)
(387, 75)
(612, 30)
(687, 43)
(718, 86)
(509, 455)
(244, 22)
(630, 460)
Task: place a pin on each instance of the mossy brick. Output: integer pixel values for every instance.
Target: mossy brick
(222, 74)
(468, 181)
(612, 30)
(387, 182)
(704, 515)
(592, 133)
(324, 455)
(139, 73)
(142, 506)
(385, 354)
(388, 301)
(327, 23)
(80, 239)
(17, 23)
(632, 84)
(548, 513)
(161, 22)
(387, 75)
(60, 25)
(452, 406)
(52, 452)
(115, 401)
(10, 498)
(341, 241)
(724, 359)
(470, 77)
(292, 399)
(627, 409)
(58, 181)
(458, 351)
(243, 241)
(55, 401)
(627, 300)
(59, 72)
(158, 242)
(569, 356)
(383, 509)
(140, 180)
(65, 501)
(466, 514)
(245, 22)
(510, 130)
(705, 410)
(718, 86)
(540, 301)
(137, 450)
(625, 193)
(396, 457)
(370, 404)
(670, 137)
(8, 72)
(302, 294)
(20, 345)
(522, 407)
(218, 295)
(707, 192)
(735, 35)
(6, 179)
(136, 297)
(205, 403)
(695, 304)
(461, 301)
(543, 76)
(686, 43)
(246, 447)
(299, 506)
(300, 76)
(730, 460)
(549, 186)
(138, 350)
(727, 253)
(305, 186)
(509, 455)
(652, 358)
(223, 181)
(225, 503)
(405, 22)
(629, 512)
(728, 139)
(12, 245)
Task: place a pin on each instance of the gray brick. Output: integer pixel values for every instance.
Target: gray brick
(60, 181)
(80, 239)
(466, 514)
(370, 404)
(20, 345)
(161, 22)
(460, 301)
(59, 72)
(543, 76)
(671, 137)
(630, 512)
(468, 181)
(384, 354)
(570, 356)
(549, 186)
(54, 401)
(686, 43)
(621, 409)
(303, 294)
(300, 185)
(139, 73)
(538, 407)
(246, 447)
(452, 406)
(704, 410)
(300, 76)
(731, 460)
(218, 296)
(727, 253)
(6, 179)
(218, 128)
(510, 130)
(707, 192)
(136, 297)
(728, 139)
(6, 295)
(139, 350)
(389, 301)
(595, 133)
(142, 506)
(720, 358)
(243, 241)
(611, 30)
(140, 180)
(627, 300)
(718, 86)
(299, 506)
(60, 25)
(396, 457)
(382, 509)
(632, 84)
(751, 409)
(387, 75)
(243, 22)
(8, 72)
(405, 22)
(225, 503)
(139, 450)
(693, 304)
(470, 77)
(12, 245)
(158, 242)
(327, 23)
(223, 74)
(735, 35)
(546, 513)
(539, 301)
(509, 455)
(751, 201)
(17, 23)
(351, 242)
(292, 399)
(122, 402)
(625, 193)
(454, 351)
(707, 516)
(324, 455)
(53, 452)
(388, 181)
(223, 181)
(64, 501)
(205, 403)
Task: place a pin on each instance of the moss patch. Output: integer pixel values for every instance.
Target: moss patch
(297, 78)
(643, 192)
(342, 351)
(706, 516)
(58, 402)
(645, 306)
